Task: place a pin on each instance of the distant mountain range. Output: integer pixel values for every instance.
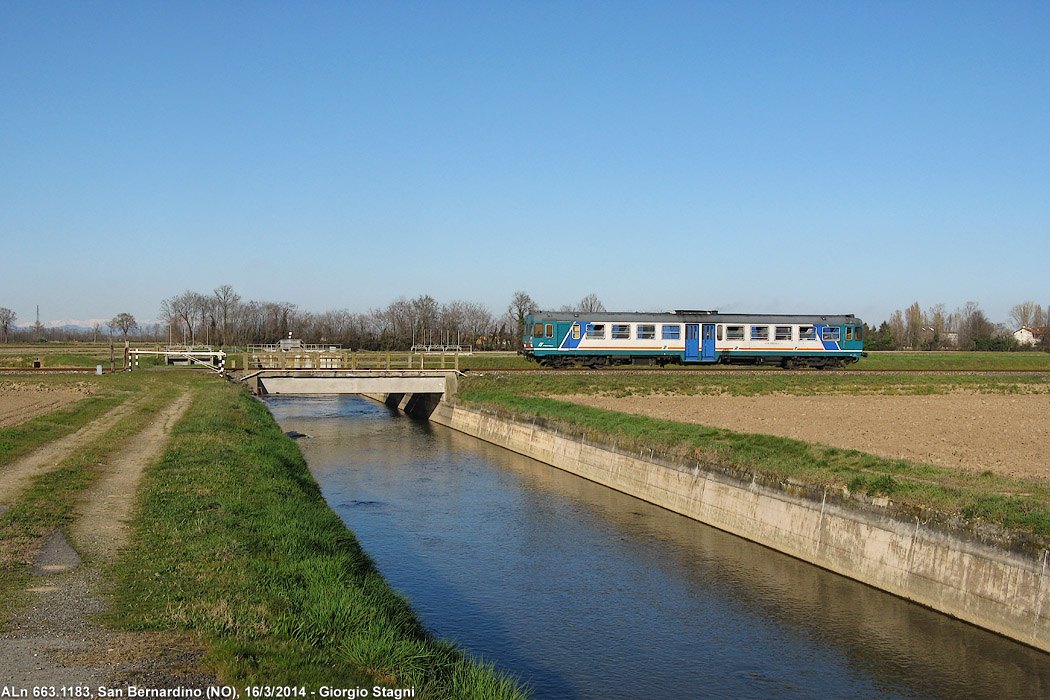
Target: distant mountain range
(82, 326)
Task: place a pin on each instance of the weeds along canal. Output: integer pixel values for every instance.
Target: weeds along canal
(583, 592)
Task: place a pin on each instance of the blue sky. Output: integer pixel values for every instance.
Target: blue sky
(840, 157)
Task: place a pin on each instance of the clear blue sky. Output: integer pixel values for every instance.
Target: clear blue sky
(747, 156)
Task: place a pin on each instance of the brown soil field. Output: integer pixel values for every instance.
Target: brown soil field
(19, 402)
(1006, 434)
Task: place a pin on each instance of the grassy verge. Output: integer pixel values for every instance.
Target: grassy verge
(955, 360)
(1016, 504)
(48, 502)
(754, 383)
(234, 541)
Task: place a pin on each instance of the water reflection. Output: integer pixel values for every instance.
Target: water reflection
(588, 593)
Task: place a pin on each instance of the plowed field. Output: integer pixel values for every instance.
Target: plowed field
(1007, 434)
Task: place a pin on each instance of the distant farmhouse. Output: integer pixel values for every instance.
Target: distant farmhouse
(1030, 336)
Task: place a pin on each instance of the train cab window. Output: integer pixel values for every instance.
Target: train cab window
(596, 331)
(859, 334)
(829, 333)
(807, 333)
(549, 330)
(782, 333)
(621, 331)
(734, 332)
(672, 332)
(849, 332)
(646, 331)
(575, 331)
(537, 330)
(759, 332)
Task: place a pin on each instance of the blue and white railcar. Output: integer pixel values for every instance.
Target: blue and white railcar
(573, 339)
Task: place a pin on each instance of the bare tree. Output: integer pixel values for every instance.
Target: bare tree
(7, 320)
(125, 323)
(227, 301)
(179, 311)
(935, 324)
(1023, 315)
(973, 326)
(897, 328)
(521, 304)
(913, 323)
(591, 303)
(477, 320)
(426, 318)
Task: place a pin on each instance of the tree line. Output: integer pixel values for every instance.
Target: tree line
(965, 328)
(222, 318)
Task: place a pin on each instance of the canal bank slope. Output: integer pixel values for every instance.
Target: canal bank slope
(988, 576)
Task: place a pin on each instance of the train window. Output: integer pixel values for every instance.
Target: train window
(807, 333)
(720, 332)
(672, 332)
(549, 330)
(829, 333)
(734, 332)
(596, 331)
(621, 331)
(646, 331)
(575, 331)
(537, 331)
(849, 332)
(859, 335)
(783, 333)
(759, 332)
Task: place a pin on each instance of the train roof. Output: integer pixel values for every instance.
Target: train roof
(692, 316)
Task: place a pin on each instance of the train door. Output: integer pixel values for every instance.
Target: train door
(692, 342)
(708, 354)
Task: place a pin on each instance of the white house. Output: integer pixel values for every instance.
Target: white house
(1029, 336)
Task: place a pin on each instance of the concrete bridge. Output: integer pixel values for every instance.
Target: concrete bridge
(415, 391)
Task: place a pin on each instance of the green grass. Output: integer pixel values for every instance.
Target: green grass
(485, 361)
(67, 355)
(753, 383)
(235, 542)
(1012, 503)
(896, 360)
(955, 360)
(108, 391)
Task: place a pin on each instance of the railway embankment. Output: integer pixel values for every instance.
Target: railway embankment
(984, 573)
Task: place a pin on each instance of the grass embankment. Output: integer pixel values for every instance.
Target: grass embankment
(235, 542)
(48, 502)
(1012, 503)
(955, 360)
(70, 355)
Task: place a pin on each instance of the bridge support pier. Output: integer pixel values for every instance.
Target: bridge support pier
(417, 405)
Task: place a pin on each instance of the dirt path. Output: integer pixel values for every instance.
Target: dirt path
(56, 640)
(16, 475)
(1006, 434)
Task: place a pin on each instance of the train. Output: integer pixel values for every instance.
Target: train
(564, 339)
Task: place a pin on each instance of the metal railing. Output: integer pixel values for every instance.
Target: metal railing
(345, 360)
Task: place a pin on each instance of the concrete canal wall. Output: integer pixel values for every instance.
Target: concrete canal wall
(986, 576)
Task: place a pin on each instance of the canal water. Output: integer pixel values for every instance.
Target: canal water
(583, 592)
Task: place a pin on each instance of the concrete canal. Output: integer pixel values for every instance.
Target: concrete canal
(584, 592)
